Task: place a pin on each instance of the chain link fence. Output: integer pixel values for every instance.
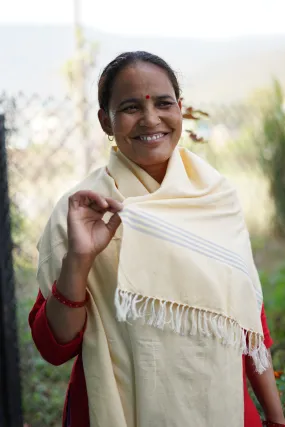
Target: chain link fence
(49, 151)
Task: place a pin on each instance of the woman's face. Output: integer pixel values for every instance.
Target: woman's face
(144, 115)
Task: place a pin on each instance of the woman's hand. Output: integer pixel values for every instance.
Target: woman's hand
(88, 235)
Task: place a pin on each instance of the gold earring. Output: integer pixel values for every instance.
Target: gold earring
(111, 138)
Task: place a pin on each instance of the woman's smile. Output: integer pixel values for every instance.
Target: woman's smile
(152, 139)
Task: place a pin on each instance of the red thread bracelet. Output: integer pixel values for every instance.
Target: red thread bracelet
(271, 424)
(65, 301)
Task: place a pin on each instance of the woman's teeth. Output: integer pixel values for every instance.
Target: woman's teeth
(151, 137)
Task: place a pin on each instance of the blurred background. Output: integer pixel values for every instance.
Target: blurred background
(230, 60)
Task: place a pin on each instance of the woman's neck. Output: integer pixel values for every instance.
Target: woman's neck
(157, 171)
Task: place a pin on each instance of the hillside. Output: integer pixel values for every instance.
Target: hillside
(218, 71)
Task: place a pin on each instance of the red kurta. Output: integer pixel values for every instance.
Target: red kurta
(57, 354)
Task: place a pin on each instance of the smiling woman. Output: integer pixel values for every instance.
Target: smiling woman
(141, 107)
(146, 275)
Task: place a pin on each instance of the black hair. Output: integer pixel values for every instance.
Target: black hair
(110, 72)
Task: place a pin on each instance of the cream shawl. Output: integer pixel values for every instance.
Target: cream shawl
(175, 299)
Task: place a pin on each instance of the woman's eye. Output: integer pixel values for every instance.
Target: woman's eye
(164, 104)
(130, 109)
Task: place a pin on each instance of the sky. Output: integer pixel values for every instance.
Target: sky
(182, 18)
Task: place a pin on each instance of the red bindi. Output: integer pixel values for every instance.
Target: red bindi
(147, 97)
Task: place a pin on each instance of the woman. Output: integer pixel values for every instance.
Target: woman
(150, 281)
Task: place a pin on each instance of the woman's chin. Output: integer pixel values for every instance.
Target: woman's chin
(148, 153)
(155, 157)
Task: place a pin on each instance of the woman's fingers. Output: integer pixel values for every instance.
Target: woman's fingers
(114, 205)
(113, 224)
(87, 199)
(95, 201)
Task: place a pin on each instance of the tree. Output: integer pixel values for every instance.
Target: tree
(270, 139)
(77, 72)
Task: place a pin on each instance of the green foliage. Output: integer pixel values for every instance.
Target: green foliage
(274, 300)
(273, 285)
(271, 142)
(281, 387)
(24, 269)
(43, 385)
(18, 225)
(274, 297)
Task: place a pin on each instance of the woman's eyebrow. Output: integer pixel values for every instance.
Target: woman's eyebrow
(136, 100)
(128, 101)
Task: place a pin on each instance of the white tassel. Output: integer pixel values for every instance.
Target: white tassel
(214, 326)
(226, 331)
(160, 320)
(206, 324)
(240, 338)
(220, 327)
(261, 359)
(178, 320)
(172, 326)
(182, 329)
(152, 316)
(120, 302)
(186, 321)
(129, 307)
(234, 333)
(199, 323)
(194, 325)
(143, 309)
(136, 301)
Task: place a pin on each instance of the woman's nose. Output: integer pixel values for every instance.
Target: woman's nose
(150, 118)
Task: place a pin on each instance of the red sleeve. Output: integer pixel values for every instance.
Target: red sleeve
(49, 348)
(268, 341)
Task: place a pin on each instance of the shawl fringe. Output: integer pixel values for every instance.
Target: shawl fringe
(186, 320)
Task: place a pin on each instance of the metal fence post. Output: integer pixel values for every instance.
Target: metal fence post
(10, 388)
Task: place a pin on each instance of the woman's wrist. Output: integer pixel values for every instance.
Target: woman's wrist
(72, 281)
(65, 301)
(78, 263)
(269, 423)
(276, 416)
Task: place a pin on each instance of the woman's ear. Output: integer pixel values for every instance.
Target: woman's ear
(105, 122)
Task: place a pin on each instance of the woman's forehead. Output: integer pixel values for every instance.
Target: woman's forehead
(141, 80)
